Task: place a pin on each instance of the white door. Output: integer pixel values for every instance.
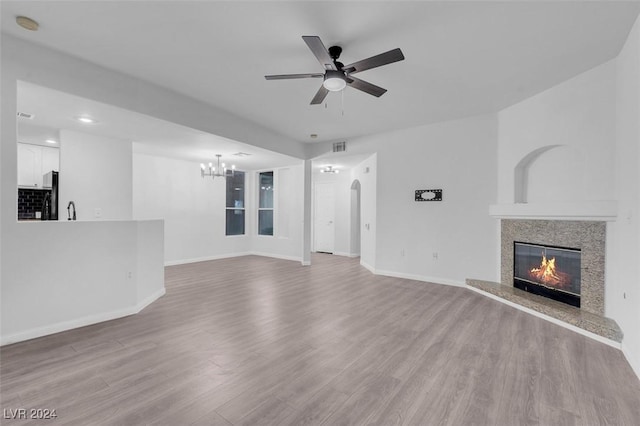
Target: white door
(324, 217)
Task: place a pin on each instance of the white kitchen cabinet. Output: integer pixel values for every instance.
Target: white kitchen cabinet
(34, 161)
(29, 165)
(50, 159)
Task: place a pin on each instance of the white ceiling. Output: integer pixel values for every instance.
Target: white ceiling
(462, 58)
(54, 110)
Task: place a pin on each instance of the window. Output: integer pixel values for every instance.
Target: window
(235, 204)
(265, 203)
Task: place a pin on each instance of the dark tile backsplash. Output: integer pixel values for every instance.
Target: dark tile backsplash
(30, 202)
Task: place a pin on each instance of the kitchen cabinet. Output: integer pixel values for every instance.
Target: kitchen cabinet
(34, 161)
(50, 160)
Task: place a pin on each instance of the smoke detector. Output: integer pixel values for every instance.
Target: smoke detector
(27, 23)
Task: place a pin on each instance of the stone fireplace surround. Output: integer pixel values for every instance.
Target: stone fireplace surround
(590, 238)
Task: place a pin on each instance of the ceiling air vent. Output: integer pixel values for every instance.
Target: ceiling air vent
(25, 115)
(339, 146)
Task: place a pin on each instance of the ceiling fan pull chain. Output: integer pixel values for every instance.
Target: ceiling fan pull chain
(342, 101)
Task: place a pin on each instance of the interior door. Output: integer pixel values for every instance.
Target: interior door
(324, 230)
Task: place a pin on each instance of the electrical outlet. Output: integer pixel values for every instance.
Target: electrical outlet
(435, 255)
(97, 212)
(129, 275)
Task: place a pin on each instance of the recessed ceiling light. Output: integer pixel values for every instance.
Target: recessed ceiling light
(313, 136)
(27, 23)
(51, 141)
(86, 119)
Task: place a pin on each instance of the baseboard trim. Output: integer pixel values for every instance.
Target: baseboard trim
(205, 258)
(230, 255)
(276, 256)
(150, 299)
(345, 254)
(573, 328)
(80, 322)
(434, 280)
(367, 266)
(635, 365)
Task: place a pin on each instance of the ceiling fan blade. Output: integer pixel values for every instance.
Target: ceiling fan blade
(291, 76)
(320, 95)
(365, 86)
(385, 58)
(321, 52)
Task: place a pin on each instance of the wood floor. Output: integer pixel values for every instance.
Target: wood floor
(259, 341)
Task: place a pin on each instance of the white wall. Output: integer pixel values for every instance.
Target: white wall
(623, 285)
(595, 116)
(367, 174)
(579, 116)
(458, 157)
(193, 210)
(96, 174)
(286, 242)
(64, 275)
(61, 275)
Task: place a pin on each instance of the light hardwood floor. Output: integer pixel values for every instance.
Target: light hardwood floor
(259, 341)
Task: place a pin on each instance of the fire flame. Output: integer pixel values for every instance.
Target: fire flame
(547, 274)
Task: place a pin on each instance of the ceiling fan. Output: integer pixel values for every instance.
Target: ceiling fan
(337, 75)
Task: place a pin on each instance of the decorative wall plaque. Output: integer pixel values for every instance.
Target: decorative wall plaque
(428, 194)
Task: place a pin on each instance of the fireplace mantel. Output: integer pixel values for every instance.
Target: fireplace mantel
(605, 211)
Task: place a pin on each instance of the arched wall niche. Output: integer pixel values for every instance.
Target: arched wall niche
(552, 173)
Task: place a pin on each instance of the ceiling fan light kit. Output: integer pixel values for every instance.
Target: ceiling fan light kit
(334, 81)
(336, 75)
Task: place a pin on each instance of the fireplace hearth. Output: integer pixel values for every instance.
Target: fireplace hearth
(587, 237)
(548, 271)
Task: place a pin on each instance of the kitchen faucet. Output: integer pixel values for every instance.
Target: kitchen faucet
(71, 204)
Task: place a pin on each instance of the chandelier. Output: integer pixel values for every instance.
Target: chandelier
(220, 171)
(329, 169)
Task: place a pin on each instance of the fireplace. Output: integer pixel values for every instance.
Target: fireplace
(549, 271)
